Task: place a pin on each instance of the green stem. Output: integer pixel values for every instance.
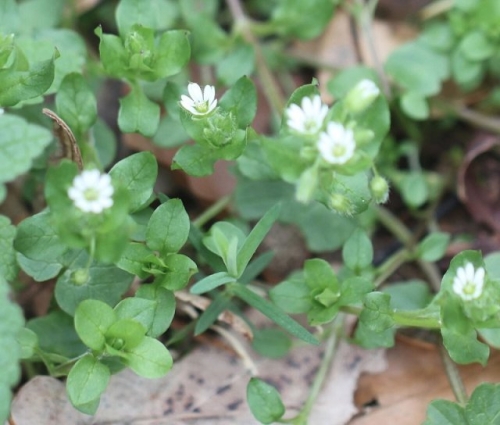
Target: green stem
(387, 268)
(453, 376)
(394, 225)
(321, 375)
(212, 211)
(269, 83)
(408, 319)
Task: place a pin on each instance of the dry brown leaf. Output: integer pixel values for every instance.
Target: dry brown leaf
(414, 378)
(228, 317)
(479, 180)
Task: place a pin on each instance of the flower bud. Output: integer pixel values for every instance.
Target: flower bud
(340, 204)
(379, 189)
(361, 96)
(307, 184)
(80, 277)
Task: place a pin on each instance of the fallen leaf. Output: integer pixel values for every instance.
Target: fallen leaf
(478, 180)
(415, 376)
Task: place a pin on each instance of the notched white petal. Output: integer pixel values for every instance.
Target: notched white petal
(92, 191)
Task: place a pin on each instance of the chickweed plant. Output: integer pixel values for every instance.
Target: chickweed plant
(118, 251)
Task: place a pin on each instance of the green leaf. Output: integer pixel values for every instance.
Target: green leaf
(410, 295)
(164, 308)
(56, 334)
(168, 228)
(414, 189)
(319, 274)
(133, 257)
(16, 86)
(180, 268)
(149, 359)
(254, 239)
(93, 318)
(264, 401)
(444, 412)
(284, 157)
(415, 105)
(239, 62)
(20, 144)
(87, 380)
(11, 323)
(159, 15)
(211, 313)
(241, 100)
(124, 334)
(466, 73)
(172, 53)
(105, 282)
(28, 342)
(9, 18)
(105, 142)
(139, 309)
(211, 282)
(113, 55)
(37, 239)
(137, 173)
(482, 407)
(304, 20)
(460, 337)
(433, 247)
(195, 160)
(292, 295)
(475, 46)
(138, 114)
(418, 68)
(375, 327)
(8, 264)
(271, 342)
(273, 312)
(358, 251)
(76, 104)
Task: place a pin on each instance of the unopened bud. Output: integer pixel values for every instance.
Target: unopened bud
(361, 96)
(379, 189)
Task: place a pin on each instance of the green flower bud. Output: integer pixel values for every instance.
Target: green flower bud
(307, 184)
(80, 277)
(221, 129)
(361, 96)
(340, 204)
(379, 189)
(328, 297)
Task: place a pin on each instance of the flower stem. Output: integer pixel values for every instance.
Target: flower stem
(212, 211)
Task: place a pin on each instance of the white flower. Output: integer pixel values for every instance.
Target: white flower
(308, 118)
(92, 191)
(468, 283)
(337, 144)
(201, 102)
